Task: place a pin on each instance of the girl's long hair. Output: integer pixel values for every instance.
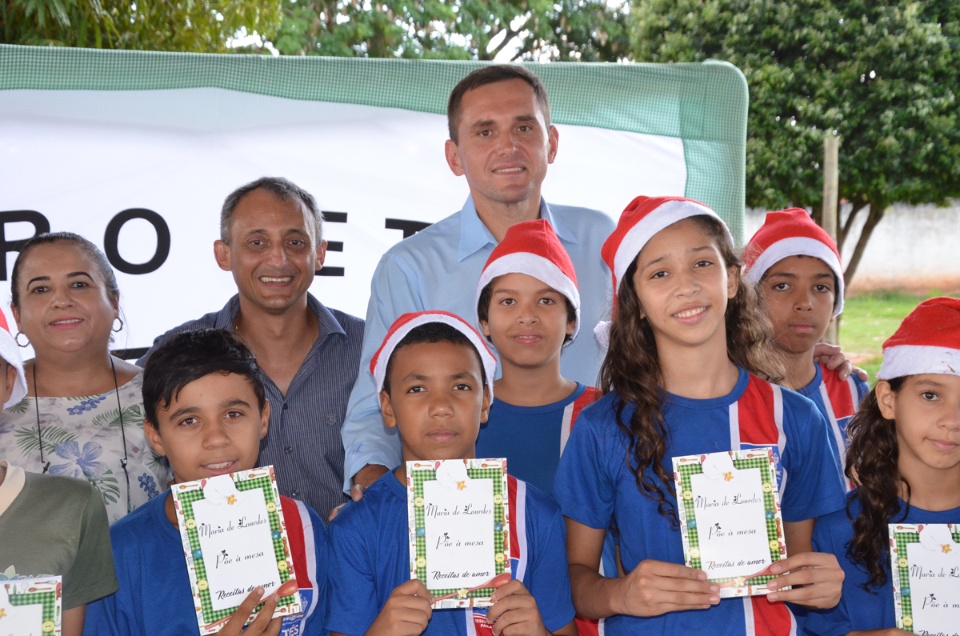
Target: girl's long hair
(872, 463)
(632, 368)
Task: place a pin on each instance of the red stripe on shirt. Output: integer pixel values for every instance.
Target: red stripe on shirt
(756, 414)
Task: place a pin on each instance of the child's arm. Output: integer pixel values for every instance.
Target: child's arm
(406, 612)
(73, 618)
(651, 589)
(515, 608)
(816, 577)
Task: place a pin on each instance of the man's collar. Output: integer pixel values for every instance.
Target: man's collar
(326, 321)
(474, 235)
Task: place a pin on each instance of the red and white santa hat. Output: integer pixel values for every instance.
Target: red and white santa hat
(408, 322)
(533, 248)
(640, 221)
(927, 341)
(791, 233)
(11, 353)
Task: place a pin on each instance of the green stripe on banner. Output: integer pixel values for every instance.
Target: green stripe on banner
(704, 104)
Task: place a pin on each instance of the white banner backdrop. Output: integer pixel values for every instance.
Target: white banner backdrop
(82, 158)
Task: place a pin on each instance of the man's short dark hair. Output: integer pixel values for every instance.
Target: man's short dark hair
(483, 309)
(190, 355)
(491, 75)
(279, 187)
(432, 332)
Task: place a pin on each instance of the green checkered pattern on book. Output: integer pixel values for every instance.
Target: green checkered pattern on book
(187, 499)
(47, 600)
(705, 104)
(495, 474)
(904, 539)
(769, 504)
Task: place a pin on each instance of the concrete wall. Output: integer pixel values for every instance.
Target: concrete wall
(916, 248)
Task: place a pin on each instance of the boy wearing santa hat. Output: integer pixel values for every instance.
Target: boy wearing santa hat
(528, 307)
(796, 267)
(435, 376)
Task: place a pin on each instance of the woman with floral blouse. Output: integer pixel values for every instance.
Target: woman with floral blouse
(82, 416)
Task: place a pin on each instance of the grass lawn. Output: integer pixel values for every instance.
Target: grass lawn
(868, 320)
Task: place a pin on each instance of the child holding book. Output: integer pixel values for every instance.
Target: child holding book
(206, 411)
(905, 452)
(796, 267)
(528, 307)
(50, 525)
(435, 379)
(683, 375)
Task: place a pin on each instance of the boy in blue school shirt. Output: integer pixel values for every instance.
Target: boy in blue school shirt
(796, 267)
(528, 307)
(206, 411)
(435, 378)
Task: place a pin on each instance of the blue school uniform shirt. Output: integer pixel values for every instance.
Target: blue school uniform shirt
(860, 609)
(594, 486)
(532, 437)
(154, 598)
(370, 557)
(837, 400)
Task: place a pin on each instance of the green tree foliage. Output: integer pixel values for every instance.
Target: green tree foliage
(190, 25)
(881, 75)
(586, 30)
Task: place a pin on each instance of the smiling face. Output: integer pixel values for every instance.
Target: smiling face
(64, 304)
(272, 253)
(527, 321)
(926, 410)
(437, 399)
(798, 297)
(503, 144)
(683, 286)
(213, 426)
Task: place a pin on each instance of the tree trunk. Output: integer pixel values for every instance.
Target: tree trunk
(877, 210)
(843, 229)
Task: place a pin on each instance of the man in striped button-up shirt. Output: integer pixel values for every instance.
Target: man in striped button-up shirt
(271, 240)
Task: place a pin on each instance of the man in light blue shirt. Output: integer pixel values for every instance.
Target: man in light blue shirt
(502, 141)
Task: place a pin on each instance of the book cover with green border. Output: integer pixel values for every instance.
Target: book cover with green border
(750, 583)
(46, 591)
(901, 536)
(420, 472)
(185, 495)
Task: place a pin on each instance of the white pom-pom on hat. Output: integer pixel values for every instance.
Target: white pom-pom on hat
(11, 353)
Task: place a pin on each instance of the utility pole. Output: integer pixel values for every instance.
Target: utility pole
(831, 178)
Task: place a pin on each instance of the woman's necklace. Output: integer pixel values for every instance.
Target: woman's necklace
(123, 435)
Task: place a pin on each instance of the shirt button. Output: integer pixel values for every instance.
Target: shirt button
(288, 449)
(284, 406)
(295, 493)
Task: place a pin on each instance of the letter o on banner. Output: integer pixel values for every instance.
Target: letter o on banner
(111, 239)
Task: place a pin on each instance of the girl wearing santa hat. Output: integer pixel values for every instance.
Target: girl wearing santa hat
(905, 451)
(686, 373)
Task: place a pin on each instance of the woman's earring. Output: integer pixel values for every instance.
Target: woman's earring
(117, 329)
(17, 340)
